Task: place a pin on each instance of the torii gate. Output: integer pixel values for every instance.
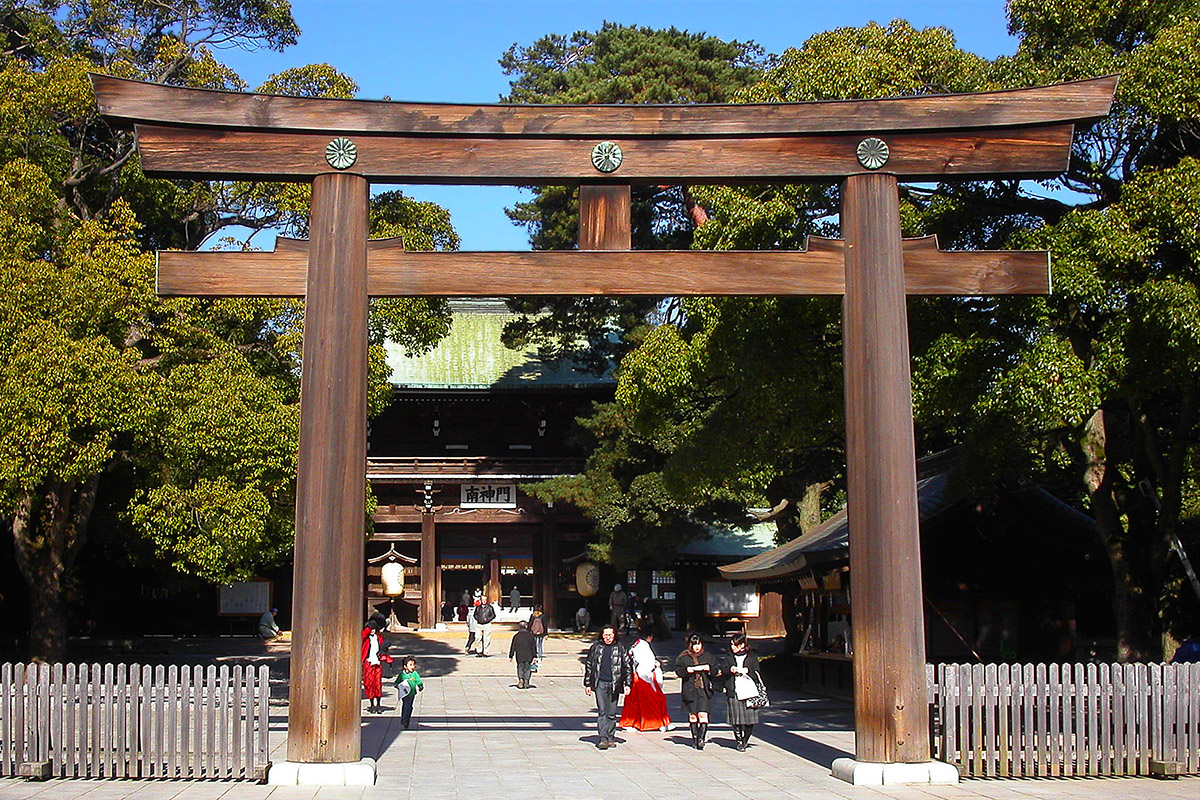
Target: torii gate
(343, 145)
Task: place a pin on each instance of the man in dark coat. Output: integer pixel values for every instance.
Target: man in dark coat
(523, 650)
(607, 671)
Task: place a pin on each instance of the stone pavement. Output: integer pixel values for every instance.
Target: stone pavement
(475, 735)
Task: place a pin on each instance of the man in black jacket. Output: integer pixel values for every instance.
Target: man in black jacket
(607, 671)
(524, 650)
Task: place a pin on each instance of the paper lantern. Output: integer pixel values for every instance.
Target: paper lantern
(393, 578)
(587, 579)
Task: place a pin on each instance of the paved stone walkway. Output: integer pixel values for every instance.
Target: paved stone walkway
(476, 736)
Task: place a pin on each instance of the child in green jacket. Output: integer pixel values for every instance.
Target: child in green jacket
(409, 683)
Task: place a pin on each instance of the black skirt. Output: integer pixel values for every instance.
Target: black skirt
(695, 702)
(740, 713)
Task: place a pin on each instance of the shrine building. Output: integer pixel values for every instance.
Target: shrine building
(469, 423)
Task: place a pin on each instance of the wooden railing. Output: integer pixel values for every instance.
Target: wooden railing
(1050, 720)
(130, 721)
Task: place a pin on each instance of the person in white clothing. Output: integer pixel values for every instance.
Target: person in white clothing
(472, 627)
(646, 705)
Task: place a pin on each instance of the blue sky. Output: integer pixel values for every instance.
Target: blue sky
(447, 51)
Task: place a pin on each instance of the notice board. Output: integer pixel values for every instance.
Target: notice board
(245, 599)
(723, 599)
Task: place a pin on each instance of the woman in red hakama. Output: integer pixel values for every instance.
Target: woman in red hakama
(646, 705)
(374, 656)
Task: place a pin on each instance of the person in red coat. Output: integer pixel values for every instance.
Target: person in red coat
(374, 656)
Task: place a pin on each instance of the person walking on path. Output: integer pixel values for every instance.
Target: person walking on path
(374, 656)
(697, 669)
(514, 599)
(484, 614)
(646, 706)
(408, 682)
(472, 628)
(740, 685)
(524, 651)
(616, 607)
(607, 671)
(539, 629)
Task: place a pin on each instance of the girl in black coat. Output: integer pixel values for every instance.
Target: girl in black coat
(697, 669)
(741, 662)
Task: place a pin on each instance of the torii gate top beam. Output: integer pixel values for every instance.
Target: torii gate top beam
(133, 102)
(226, 135)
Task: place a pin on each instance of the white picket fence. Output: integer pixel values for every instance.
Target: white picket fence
(1050, 720)
(130, 721)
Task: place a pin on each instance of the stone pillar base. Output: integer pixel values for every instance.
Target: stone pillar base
(349, 773)
(866, 773)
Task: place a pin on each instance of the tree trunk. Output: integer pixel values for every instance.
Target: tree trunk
(1165, 468)
(48, 528)
(696, 213)
(1132, 607)
(809, 511)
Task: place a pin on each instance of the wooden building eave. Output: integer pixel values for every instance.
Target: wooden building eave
(468, 469)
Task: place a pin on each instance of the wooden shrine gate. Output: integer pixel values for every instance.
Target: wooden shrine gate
(343, 145)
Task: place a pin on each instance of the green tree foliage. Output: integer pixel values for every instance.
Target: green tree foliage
(1093, 389)
(186, 410)
(739, 400)
(1098, 386)
(615, 64)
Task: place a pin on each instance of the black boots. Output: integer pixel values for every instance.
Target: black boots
(741, 734)
(703, 726)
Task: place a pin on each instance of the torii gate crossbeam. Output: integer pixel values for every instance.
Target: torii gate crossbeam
(342, 145)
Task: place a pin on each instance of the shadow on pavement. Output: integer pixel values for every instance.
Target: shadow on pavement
(436, 658)
(794, 742)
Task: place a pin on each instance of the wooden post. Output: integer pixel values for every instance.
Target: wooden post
(324, 714)
(548, 569)
(492, 595)
(439, 591)
(604, 218)
(429, 570)
(890, 714)
(539, 567)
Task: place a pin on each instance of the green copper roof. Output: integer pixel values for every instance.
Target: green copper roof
(730, 543)
(473, 357)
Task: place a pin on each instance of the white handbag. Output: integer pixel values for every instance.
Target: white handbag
(744, 687)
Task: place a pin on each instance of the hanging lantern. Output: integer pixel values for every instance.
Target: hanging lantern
(587, 579)
(392, 574)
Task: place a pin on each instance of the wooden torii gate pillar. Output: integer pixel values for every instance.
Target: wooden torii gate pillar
(342, 145)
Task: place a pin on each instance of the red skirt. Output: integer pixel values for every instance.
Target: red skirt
(373, 680)
(645, 707)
